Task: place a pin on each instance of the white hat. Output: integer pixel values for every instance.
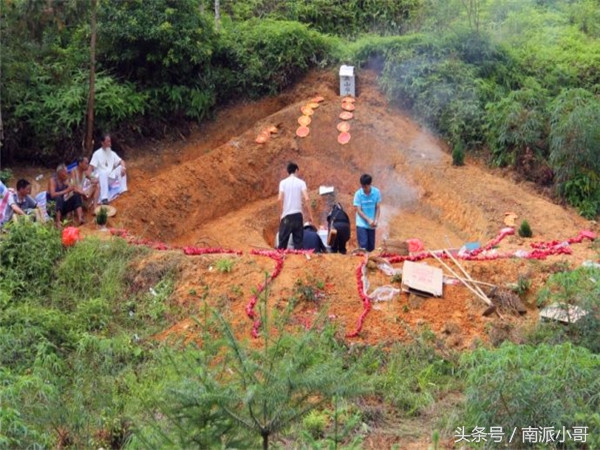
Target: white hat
(310, 225)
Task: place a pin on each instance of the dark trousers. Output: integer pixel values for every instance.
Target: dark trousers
(63, 206)
(342, 237)
(291, 224)
(366, 238)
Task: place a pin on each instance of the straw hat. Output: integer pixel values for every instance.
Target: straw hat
(110, 210)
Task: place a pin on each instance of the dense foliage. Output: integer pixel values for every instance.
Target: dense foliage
(80, 367)
(544, 386)
(518, 79)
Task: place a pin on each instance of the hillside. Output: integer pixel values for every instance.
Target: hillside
(215, 191)
(218, 189)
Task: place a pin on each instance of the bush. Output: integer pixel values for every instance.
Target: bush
(263, 57)
(525, 230)
(516, 122)
(580, 288)
(514, 387)
(28, 255)
(458, 155)
(413, 375)
(574, 147)
(439, 89)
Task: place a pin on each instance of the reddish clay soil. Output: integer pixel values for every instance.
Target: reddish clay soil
(218, 189)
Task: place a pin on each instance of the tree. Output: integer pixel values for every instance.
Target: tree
(237, 385)
(89, 133)
(575, 148)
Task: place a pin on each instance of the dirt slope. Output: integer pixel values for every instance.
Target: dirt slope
(218, 188)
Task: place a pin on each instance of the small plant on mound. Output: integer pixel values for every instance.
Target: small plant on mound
(458, 155)
(525, 230)
(225, 265)
(102, 217)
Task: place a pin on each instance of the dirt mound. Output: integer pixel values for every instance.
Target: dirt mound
(218, 188)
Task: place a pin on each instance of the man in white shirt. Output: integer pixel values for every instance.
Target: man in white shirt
(109, 167)
(292, 190)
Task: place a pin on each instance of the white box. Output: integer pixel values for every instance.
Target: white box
(326, 190)
(347, 81)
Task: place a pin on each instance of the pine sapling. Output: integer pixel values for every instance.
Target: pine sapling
(525, 230)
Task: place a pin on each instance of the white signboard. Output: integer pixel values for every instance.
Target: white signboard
(422, 278)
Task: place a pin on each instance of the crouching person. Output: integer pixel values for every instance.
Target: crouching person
(339, 221)
(311, 239)
(63, 196)
(22, 204)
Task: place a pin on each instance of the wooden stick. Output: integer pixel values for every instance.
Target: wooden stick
(467, 275)
(483, 283)
(471, 288)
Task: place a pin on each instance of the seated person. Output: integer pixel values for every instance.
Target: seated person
(21, 203)
(311, 239)
(63, 196)
(339, 220)
(108, 166)
(85, 183)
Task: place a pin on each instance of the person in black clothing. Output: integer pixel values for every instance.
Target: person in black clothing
(339, 220)
(311, 239)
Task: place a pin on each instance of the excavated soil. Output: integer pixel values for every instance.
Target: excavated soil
(218, 189)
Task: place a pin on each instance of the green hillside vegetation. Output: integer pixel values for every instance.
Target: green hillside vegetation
(80, 366)
(514, 81)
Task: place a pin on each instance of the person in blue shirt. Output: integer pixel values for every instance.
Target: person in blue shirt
(367, 201)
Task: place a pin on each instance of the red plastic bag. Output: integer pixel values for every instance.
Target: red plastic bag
(414, 245)
(70, 236)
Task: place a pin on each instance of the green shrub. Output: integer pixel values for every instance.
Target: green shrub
(28, 255)
(458, 155)
(579, 287)
(225, 265)
(516, 122)
(92, 269)
(441, 91)
(264, 57)
(514, 387)
(412, 375)
(574, 146)
(315, 423)
(5, 176)
(102, 216)
(525, 230)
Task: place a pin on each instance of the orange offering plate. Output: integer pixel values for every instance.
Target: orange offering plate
(304, 121)
(343, 127)
(307, 110)
(302, 131)
(344, 138)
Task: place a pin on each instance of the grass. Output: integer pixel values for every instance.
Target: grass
(82, 355)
